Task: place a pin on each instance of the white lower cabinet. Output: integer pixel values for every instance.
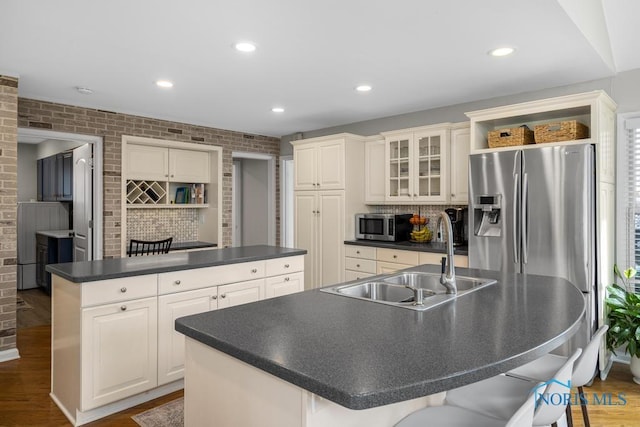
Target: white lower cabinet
(119, 351)
(240, 293)
(171, 342)
(284, 285)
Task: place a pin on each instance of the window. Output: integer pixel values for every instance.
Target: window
(628, 194)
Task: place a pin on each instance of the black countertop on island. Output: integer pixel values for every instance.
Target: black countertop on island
(89, 271)
(436, 247)
(362, 354)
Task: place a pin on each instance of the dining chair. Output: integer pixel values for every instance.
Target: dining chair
(583, 369)
(146, 247)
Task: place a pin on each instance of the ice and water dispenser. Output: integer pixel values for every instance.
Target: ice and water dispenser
(487, 217)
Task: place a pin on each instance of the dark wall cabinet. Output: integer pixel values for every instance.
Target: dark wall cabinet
(55, 178)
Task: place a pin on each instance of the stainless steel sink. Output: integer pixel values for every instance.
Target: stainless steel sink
(391, 289)
(431, 282)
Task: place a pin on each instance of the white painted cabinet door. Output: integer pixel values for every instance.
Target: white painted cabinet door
(459, 172)
(305, 232)
(330, 165)
(430, 174)
(240, 293)
(119, 351)
(330, 216)
(304, 167)
(145, 162)
(171, 342)
(374, 166)
(189, 166)
(284, 285)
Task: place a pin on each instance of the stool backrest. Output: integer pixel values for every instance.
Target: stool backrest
(585, 366)
(146, 247)
(524, 415)
(552, 402)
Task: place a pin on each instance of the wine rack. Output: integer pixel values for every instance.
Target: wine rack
(146, 192)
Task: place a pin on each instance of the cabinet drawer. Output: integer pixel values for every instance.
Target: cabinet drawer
(362, 265)
(391, 267)
(350, 275)
(396, 256)
(278, 266)
(240, 272)
(284, 285)
(435, 258)
(366, 252)
(188, 280)
(115, 290)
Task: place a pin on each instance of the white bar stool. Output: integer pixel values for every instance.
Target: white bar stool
(452, 416)
(501, 396)
(583, 369)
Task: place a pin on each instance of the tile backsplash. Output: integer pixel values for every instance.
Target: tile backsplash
(158, 224)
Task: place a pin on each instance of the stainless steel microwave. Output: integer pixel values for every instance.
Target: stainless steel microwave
(385, 227)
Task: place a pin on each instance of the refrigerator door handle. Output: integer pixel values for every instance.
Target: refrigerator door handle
(516, 186)
(525, 218)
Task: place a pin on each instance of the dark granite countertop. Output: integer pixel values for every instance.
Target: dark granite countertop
(89, 271)
(179, 246)
(361, 354)
(437, 247)
(57, 234)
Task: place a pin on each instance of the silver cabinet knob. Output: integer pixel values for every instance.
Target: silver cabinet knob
(123, 307)
(177, 282)
(358, 252)
(123, 289)
(395, 256)
(214, 297)
(286, 266)
(223, 296)
(254, 270)
(318, 212)
(171, 176)
(415, 195)
(286, 279)
(318, 184)
(453, 195)
(358, 265)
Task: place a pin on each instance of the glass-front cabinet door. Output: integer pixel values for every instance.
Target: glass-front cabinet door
(399, 167)
(430, 166)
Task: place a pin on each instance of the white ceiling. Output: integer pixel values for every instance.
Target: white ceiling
(417, 54)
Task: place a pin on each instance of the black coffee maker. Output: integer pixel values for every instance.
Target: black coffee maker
(458, 217)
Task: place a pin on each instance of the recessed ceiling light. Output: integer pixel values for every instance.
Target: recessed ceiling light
(84, 90)
(363, 88)
(502, 51)
(245, 46)
(277, 110)
(164, 83)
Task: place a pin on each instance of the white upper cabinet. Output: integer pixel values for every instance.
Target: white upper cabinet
(416, 168)
(188, 166)
(147, 162)
(320, 166)
(374, 161)
(154, 163)
(460, 146)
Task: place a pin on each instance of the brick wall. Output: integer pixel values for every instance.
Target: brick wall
(111, 126)
(8, 209)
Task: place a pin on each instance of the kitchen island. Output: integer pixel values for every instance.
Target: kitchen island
(316, 359)
(113, 339)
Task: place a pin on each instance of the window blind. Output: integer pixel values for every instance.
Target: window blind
(632, 245)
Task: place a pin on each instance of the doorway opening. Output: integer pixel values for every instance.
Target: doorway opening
(59, 182)
(253, 199)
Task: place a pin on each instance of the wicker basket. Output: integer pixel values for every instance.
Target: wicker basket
(560, 131)
(508, 137)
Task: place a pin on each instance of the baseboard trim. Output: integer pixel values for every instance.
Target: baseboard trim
(10, 354)
(85, 417)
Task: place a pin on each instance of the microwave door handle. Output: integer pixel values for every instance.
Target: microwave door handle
(391, 224)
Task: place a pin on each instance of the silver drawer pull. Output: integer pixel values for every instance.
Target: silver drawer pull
(395, 256)
(123, 290)
(286, 279)
(123, 307)
(254, 270)
(357, 265)
(177, 282)
(214, 297)
(286, 266)
(358, 252)
(223, 296)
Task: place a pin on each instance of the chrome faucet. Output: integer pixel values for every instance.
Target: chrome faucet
(448, 272)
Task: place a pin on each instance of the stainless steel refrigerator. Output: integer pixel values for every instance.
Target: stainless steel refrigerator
(533, 211)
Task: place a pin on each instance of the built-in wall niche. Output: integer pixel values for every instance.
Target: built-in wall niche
(174, 180)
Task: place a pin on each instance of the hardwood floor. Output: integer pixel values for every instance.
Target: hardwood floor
(25, 386)
(36, 311)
